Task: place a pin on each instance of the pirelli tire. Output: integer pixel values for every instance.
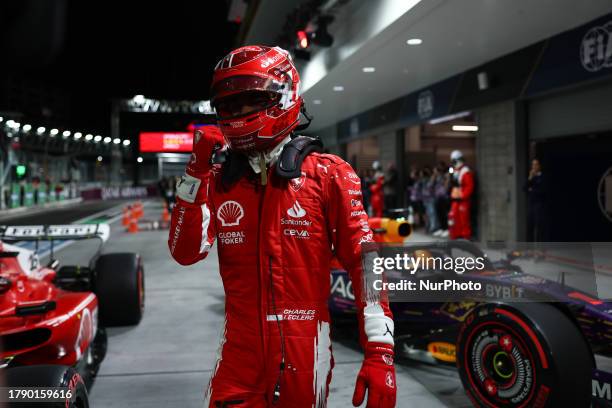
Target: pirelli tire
(119, 285)
(48, 376)
(524, 355)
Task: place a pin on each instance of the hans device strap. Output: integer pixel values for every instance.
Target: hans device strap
(289, 164)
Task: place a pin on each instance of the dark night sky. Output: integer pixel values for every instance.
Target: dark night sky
(116, 49)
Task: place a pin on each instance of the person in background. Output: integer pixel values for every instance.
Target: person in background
(376, 188)
(459, 218)
(442, 199)
(416, 197)
(535, 202)
(432, 224)
(162, 187)
(390, 187)
(365, 189)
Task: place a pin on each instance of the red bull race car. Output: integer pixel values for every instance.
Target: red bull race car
(53, 317)
(543, 353)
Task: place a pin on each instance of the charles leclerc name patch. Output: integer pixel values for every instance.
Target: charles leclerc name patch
(187, 188)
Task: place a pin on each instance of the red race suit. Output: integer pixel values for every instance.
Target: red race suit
(459, 219)
(275, 245)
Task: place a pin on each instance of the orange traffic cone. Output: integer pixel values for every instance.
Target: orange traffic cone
(133, 227)
(125, 221)
(139, 211)
(165, 213)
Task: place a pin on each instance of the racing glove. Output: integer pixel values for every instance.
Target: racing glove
(377, 375)
(201, 162)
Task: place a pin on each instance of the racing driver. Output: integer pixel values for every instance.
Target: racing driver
(279, 209)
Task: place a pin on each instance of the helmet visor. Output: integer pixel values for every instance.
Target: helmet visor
(245, 103)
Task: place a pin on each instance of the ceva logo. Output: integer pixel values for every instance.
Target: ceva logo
(596, 48)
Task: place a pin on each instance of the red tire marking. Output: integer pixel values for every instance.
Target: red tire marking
(530, 332)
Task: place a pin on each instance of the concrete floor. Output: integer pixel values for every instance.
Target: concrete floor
(166, 361)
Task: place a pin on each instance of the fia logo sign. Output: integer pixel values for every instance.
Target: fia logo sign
(596, 48)
(425, 104)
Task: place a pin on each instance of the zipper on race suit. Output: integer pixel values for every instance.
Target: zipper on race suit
(260, 277)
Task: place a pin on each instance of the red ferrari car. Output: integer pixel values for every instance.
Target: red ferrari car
(52, 318)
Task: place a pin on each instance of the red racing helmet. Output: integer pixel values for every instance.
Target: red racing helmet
(256, 93)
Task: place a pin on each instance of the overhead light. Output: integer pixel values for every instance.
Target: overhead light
(465, 128)
(97, 138)
(10, 123)
(107, 139)
(302, 37)
(448, 118)
(99, 158)
(316, 102)
(40, 130)
(414, 41)
(78, 135)
(139, 159)
(27, 127)
(54, 132)
(88, 137)
(338, 88)
(66, 133)
(1, 118)
(368, 69)
(126, 142)
(116, 140)
(139, 99)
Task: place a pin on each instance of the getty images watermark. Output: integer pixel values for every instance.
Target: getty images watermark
(426, 262)
(453, 271)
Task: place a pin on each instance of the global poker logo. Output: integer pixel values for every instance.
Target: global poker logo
(596, 48)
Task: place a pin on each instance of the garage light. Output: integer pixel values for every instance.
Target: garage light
(88, 137)
(139, 159)
(97, 138)
(78, 135)
(303, 39)
(41, 130)
(338, 88)
(66, 133)
(54, 132)
(99, 158)
(316, 102)
(126, 142)
(465, 128)
(414, 41)
(27, 128)
(116, 141)
(368, 69)
(107, 139)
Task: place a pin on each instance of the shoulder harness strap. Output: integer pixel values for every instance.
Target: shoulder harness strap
(289, 164)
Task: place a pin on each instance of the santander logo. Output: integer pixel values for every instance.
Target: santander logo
(296, 211)
(230, 213)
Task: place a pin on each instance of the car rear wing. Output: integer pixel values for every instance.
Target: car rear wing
(54, 232)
